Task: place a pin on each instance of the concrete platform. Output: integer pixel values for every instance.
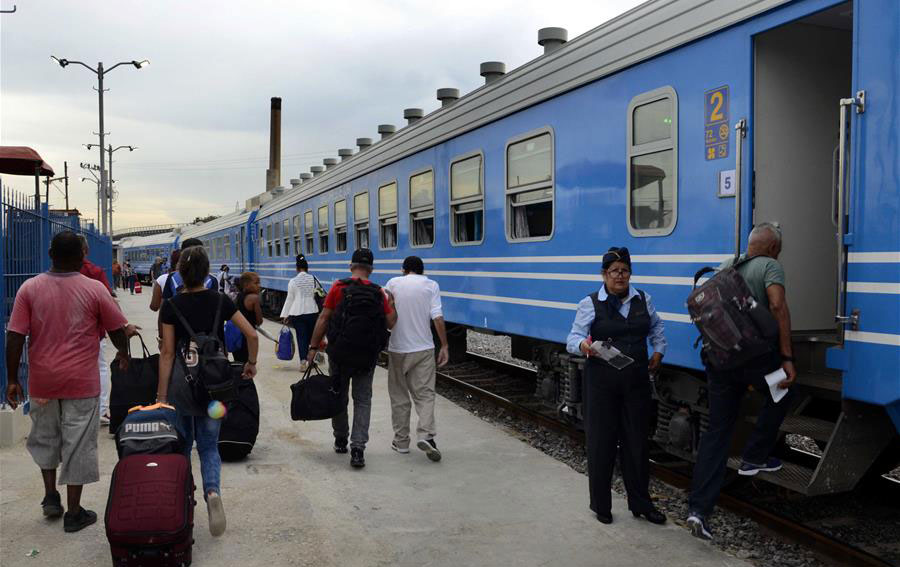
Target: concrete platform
(493, 500)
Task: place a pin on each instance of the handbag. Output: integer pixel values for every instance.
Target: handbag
(317, 396)
(135, 386)
(285, 348)
(319, 294)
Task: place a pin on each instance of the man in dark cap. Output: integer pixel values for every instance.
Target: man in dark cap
(363, 314)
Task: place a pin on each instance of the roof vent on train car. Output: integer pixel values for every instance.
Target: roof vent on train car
(447, 96)
(305, 176)
(330, 162)
(278, 190)
(317, 170)
(492, 70)
(552, 38)
(363, 143)
(386, 130)
(413, 114)
(345, 153)
(295, 183)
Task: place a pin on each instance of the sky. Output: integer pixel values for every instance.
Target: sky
(199, 113)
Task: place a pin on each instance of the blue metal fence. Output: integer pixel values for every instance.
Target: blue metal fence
(25, 235)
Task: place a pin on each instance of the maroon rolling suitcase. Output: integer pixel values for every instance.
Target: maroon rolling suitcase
(150, 511)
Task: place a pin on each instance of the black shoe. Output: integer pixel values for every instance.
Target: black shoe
(604, 518)
(653, 516)
(430, 448)
(357, 460)
(340, 446)
(79, 520)
(52, 505)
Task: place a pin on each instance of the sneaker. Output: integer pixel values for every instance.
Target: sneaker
(398, 448)
(79, 520)
(357, 460)
(430, 448)
(340, 446)
(751, 469)
(52, 505)
(698, 526)
(104, 419)
(216, 514)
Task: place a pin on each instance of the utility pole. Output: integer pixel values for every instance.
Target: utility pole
(66, 174)
(111, 194)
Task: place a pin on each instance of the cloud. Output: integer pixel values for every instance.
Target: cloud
(200, 112)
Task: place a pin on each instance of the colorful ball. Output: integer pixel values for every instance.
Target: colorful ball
(216, 409)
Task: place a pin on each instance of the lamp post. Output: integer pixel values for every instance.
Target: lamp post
(101, 72)
(97, 181)
(111, 181)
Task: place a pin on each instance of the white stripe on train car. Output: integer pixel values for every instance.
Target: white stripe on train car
(637, 258)
(873, 287)
(873, 257)
(873, 338)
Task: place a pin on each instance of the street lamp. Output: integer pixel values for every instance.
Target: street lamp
(111, 181)
(97, 182)
(101, 72)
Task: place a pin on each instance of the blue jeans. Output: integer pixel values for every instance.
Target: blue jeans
(206, 431)
(303, 326)
(726, 390)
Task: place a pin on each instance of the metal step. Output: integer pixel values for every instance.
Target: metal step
(791, 476)
(818, 429)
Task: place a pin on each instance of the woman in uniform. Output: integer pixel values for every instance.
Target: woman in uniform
(617, 401)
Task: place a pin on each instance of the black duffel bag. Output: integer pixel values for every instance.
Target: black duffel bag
(317, 396)
(240, 426)
(133, 387)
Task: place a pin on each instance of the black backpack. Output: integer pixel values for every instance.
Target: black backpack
(734, 327)
(357, 331)
(205, 361)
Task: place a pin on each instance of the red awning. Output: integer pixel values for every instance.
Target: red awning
(20, 160)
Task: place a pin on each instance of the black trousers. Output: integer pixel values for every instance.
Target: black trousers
(616, 406)
(726, 390)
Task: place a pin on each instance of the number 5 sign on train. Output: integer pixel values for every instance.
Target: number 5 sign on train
(715, 116)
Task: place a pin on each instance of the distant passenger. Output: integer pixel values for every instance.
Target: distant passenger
(117, 274)
(94, 272)
(300, 308)
(225, 284)
(173, 284)
(160, 282)
(156, 269)
(617, 401)
(765, 278)
(248, 304)
(130, 277)
(357, 332)
(200, 307)
(63, 314)
(411, 370)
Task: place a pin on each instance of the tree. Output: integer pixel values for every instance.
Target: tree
(201, 220)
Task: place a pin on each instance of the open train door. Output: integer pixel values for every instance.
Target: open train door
(805, 121)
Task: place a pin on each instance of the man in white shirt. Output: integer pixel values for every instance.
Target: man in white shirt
(411, 370)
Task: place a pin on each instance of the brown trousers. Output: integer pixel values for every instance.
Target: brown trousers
(411, 375)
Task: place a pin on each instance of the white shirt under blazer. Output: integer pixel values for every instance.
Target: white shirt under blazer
(418, 301)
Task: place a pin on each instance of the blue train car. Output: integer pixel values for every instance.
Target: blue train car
(142, 251)
(672, 130)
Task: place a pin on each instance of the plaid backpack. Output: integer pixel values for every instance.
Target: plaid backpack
(734, 327)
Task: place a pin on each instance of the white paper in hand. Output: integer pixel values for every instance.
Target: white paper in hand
(773, 380)
(611, 354)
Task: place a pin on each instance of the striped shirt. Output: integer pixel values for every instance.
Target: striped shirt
(300, 300)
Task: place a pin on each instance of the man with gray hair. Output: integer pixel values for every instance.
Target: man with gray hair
(765, 277)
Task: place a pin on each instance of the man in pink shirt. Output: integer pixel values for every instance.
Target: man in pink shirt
(63, 314)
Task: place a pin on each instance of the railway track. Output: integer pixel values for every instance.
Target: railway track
(512, 388)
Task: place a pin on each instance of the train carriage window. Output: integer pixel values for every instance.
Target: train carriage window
(340, 226)
(421, 209)
(387, 216)
(308, 231)
(653, 163)
(361, 220)
(323, 229)
(227, 244)
(467, 201)
(269, 239)
(286, 235)
(277, 238)
(262, 242)
(529, 188)
(297, 248)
